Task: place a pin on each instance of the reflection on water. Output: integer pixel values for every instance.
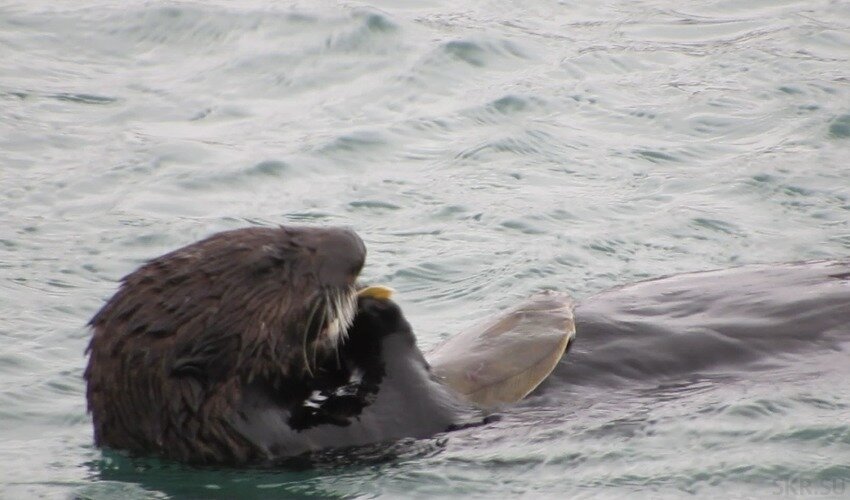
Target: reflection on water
(484, 151)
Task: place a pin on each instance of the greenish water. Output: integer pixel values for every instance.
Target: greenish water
(484, 151)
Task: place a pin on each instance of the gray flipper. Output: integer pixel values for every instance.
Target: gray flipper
(504, 360)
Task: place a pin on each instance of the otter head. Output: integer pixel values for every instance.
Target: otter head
(173, 349)
(314, 271)
(297, 295)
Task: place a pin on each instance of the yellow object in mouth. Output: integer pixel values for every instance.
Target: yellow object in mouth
(379, 292)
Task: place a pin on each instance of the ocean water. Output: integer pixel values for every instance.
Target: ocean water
(484, 150)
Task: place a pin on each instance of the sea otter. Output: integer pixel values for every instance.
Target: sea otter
(252, 345)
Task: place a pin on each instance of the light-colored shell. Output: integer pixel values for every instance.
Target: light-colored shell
(504, 360)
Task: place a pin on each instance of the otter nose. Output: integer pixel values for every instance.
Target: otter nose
(342, 255)
(338, 254)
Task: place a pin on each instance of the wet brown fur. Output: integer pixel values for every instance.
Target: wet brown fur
(174, 348)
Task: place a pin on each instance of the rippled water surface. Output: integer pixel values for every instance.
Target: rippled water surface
(483, 150)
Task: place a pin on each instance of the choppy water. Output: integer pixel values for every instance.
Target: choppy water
(483, 150)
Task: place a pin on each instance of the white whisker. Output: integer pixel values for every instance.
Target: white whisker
(310, 319)
(346, 306)
(317, 342)
(332, 315)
